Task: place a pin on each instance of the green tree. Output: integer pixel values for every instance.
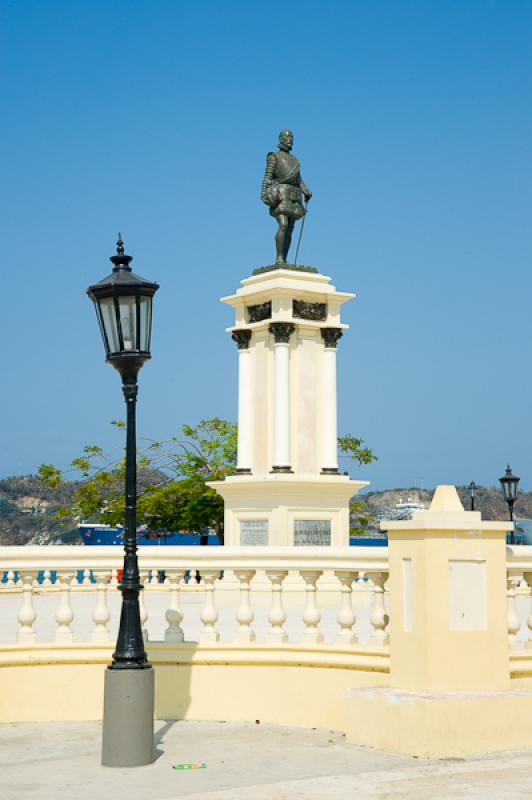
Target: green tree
(172, 478)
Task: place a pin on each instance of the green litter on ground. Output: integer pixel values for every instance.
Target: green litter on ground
(190, 766)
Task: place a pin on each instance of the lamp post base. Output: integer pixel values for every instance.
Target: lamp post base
(128, 710)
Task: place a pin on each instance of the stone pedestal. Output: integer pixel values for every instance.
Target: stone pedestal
(288, 490)
(450, 692)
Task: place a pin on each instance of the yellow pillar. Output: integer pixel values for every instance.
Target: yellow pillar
(448, 615)
(449, 692)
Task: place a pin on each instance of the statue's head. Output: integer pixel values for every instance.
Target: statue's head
(286, 140)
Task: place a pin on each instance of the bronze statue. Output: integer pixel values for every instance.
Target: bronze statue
(282, 188)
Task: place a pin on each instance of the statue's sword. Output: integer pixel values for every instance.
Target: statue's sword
(301, 231)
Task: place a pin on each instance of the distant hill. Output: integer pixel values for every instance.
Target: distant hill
(489, 501)
(27, 507)
(27, 510)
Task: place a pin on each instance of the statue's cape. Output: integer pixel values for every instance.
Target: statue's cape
(286, 168)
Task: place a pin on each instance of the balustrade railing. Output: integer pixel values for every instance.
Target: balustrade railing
(291, 583)
(519, 594)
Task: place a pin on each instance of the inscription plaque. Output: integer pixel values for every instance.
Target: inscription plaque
(315, 532)
(254, 532)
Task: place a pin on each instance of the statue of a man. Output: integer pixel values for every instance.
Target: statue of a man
(282, 188)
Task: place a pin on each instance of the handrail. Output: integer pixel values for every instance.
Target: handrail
(364, 559)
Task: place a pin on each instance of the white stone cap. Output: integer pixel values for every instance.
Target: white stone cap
(446, 512)
(280, 483)
(280, 281)
(301, 324)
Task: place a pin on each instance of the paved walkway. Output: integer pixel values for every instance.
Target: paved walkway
(60, 761)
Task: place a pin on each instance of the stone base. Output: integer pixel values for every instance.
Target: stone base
(128, 714)
(439, 725)
(292, 267)
(281, 499)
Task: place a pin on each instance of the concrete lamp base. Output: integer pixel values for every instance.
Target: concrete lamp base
(128, 709)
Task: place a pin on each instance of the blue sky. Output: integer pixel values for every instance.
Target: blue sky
(413, 121)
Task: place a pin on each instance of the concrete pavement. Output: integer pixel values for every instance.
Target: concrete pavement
(56, 761)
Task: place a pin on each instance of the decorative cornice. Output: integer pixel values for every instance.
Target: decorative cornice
(282, 331)
(242, 338)
(314, 311)
(331, 335)
(260, 311)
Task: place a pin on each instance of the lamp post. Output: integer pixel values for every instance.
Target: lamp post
(510, 486)
(123, 303)
(472, 493)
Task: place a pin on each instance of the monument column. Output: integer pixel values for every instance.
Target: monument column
(245, 432)
(281, 396)
(329, 456)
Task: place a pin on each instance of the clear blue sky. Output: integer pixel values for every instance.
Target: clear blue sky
(413, 121)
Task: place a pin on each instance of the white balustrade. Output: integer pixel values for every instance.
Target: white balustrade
(100, 565)
(143, 611)
(277, 615)
(174, 615)
(101, 614)
(244, 613)
(27, 614)
(209, 614)
(528, 579)
(514, 623)
(47, 579)
(311, 614)
(346, 616)
(64, 614)
(378, 617)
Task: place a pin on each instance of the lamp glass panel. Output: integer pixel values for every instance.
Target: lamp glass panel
(128, 321)
(145, 323)
(512, 489)
(107, 312)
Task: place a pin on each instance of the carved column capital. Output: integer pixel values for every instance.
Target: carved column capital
(331, 335)
(242, 338)
(282, 331)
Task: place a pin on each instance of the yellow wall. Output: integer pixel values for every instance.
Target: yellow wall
(303, 686)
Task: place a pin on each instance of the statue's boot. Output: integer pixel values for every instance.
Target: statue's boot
(280, 248)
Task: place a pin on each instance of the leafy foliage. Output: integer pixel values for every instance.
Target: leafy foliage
(172, 486)
(351, 447)
(172, 478)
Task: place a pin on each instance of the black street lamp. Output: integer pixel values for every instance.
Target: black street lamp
(123, 303)
(472, 493)
(510, 486)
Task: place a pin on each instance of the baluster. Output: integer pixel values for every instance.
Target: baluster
(154, 579)
(143, 611)
(74, 580)
(114, 577)
(378, 618)
(27, 614)
(101, 614)
(86, 577)
(346, 616)
(514, 622)
(311, 614)
(10, 578)
(64, 614)
(209, 614)
(47, 581)
(244, 613)
(277, 615)
(174, 615)
(528, 579)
